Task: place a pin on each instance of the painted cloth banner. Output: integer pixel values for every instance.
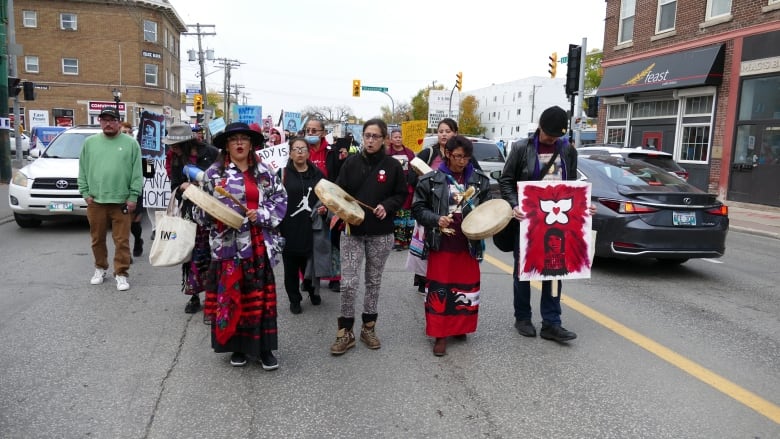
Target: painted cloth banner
(157, 188)
(249, 114)
(413, 134)
(555, 235)
(292, 122)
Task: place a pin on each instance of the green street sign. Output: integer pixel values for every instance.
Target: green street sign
(563, 59)
(367, 88)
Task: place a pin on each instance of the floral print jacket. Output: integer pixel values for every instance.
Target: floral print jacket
(228, 243)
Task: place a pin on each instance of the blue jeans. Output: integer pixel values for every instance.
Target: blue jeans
(549, 306)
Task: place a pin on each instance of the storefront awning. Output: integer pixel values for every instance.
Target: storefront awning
(702, 66)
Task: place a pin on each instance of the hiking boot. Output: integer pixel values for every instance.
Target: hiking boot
(121, 283)
(556, 333)
(98, 277)
(440, 347)
(193, 305)
(138, 247)
(268, 361)
(238, 359)
(345, 340)
(525, 328)
(368, 335)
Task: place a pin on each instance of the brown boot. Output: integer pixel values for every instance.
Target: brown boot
(368, 335)
(345, 339)
(440, 347)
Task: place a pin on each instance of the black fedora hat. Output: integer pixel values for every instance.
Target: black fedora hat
(220, 140)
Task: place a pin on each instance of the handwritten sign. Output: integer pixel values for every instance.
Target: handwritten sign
(157, 190)
(249, 114)
(275, 157)
(413, 134)
(216, 126)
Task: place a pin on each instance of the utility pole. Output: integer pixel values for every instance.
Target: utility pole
(5, 147)
(236, 91)
(228, 64)
(199, 31)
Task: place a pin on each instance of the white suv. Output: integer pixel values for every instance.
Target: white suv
(48, 188)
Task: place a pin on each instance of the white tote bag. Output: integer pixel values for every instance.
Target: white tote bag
(174, 237)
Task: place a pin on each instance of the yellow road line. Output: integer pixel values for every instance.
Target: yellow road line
(744, 396)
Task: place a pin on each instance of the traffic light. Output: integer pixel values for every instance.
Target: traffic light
(573, 70)
(553, 64)
(197, 103)
(355, 88)
(459, 81)
(13, 86)
(592, 103)
(29, 90)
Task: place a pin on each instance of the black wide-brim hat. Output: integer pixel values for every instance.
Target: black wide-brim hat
(220, 140)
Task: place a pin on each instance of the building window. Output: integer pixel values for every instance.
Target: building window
(617, 112)
(518, 111)
(654, 109)
(70, 66)
(627, 10)
(695, 144)
(667, 12)
(698, 106)
(174, 49)
(150, 71)
(31, 64)
(29, 19)
(150, 31)
(165, 38)
(68, 21)
(718, 8)
(616, 135)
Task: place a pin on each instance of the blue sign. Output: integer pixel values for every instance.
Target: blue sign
(249, 114)
(216, 126)
(292, 122)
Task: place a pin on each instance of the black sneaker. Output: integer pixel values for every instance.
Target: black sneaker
(238, 359)
(556, 333)
(334, 285)
(295, 307)
(307, 286)
(268, 361)
(315, 299)
(138, 247)
(525, 328)
(193, 305)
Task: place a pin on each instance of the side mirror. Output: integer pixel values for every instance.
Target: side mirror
(34, 154)
(495, 175)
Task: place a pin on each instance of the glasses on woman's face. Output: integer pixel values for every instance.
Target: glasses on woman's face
(238, 139)
(460, 157)
(372, 136)
(299, 149)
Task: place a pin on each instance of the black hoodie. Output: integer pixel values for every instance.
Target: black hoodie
(296, 225)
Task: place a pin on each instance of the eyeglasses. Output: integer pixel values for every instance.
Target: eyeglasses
(460, 157)
(371, 136)
(299, 149)
(108, 119)
(312, 131)
(238, 139)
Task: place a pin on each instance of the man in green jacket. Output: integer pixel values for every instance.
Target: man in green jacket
(110, 181)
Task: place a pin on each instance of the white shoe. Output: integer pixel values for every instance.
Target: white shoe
(97, 278)
(121, 283)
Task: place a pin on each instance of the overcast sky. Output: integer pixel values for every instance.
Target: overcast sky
(307, 52)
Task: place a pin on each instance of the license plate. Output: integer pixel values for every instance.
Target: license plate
(60, 206)
(684, 218)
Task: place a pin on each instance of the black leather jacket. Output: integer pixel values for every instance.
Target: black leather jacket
(520, 165)
(431, 201)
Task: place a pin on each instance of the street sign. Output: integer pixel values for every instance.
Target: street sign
(563, 59)
(41, 86)
(367, 88)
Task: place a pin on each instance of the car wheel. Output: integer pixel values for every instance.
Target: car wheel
(672, 261)
(26, 222)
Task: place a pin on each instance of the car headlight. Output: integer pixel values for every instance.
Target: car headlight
(20, 179)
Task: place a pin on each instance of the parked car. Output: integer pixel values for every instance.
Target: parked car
(654, 157)
(487, 153)
(47, 188)
(644, 212)
(25, 143)
(41, 136)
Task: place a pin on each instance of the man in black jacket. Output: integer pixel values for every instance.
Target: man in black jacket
(546, 155)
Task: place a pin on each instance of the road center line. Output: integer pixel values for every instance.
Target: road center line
(744, 396)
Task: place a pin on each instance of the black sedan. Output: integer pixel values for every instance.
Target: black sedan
(645, 212)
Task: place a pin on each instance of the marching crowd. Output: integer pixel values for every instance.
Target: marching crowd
(285, 220)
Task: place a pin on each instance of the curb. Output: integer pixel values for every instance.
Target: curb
(750, 231)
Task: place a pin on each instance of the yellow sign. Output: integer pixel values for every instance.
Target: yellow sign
(413, 134)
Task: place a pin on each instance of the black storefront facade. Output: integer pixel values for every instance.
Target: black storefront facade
(755, 161)
(667, 102)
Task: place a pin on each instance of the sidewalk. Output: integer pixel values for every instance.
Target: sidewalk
(756, 219)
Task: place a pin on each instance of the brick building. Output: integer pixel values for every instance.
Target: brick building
(699, 79)
(78, 52)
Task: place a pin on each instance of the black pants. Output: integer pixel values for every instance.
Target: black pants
(294, 266)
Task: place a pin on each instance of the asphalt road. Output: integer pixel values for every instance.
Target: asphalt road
(688, 351)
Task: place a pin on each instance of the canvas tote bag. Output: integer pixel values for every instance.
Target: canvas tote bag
(174, 237)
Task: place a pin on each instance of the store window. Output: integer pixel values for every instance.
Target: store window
(760, 99)
(617, 115)
(654, 109)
